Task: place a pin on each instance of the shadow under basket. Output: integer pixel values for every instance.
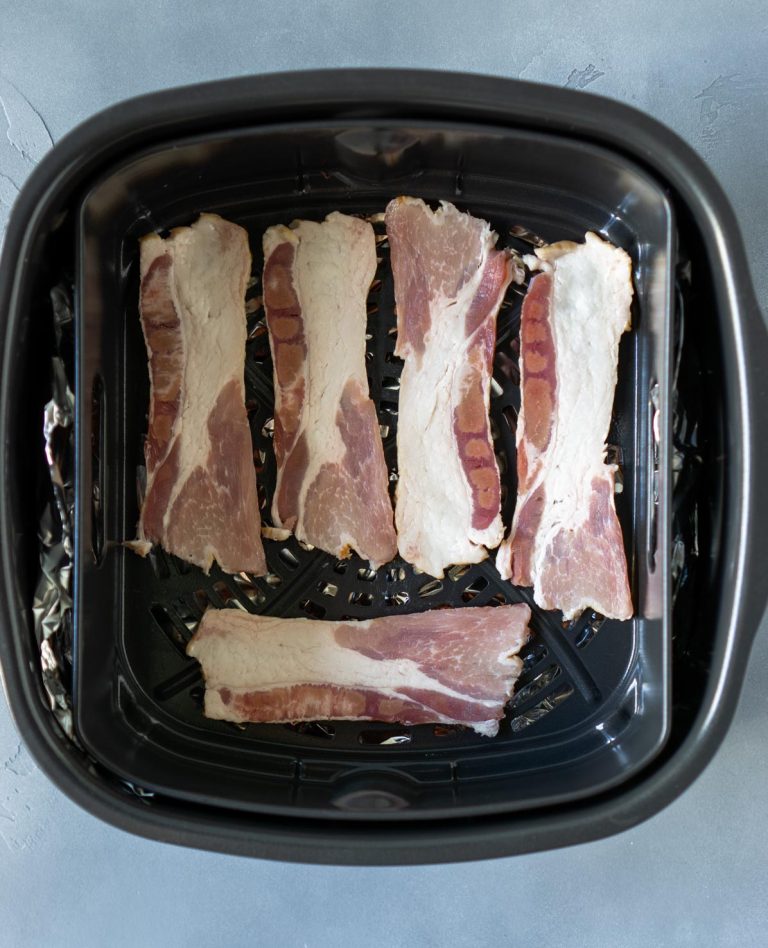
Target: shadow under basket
(603, 709)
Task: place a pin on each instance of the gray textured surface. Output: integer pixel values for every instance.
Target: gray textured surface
(693, 875)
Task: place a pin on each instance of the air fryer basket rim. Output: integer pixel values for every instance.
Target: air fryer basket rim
(472, 98)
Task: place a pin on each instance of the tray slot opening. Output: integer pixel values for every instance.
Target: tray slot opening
(540, 710)
(171, 626)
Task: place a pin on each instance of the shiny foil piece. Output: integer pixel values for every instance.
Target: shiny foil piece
(52, 605)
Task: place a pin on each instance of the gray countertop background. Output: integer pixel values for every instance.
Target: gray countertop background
(694, 874)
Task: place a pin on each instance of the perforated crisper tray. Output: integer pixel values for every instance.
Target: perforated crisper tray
(592, 705)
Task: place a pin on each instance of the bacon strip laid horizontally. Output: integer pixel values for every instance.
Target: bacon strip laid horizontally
(454, 666)
(200, 502)
(566, 539)
(449, 284)
(332, 482)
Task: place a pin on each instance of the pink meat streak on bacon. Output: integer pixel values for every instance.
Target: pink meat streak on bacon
(332, 481)
(537, 416)
(449, 284)
(565, 539)
(201, 501)
(453, 666)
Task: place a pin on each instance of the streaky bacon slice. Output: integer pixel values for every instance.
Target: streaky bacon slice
(449, 284)
(332, 481)
(200, 502)
(454, 666)
(566, 539)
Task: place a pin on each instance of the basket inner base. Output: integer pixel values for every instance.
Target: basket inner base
(589, 709)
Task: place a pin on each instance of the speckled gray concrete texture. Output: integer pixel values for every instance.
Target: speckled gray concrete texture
(694, 874)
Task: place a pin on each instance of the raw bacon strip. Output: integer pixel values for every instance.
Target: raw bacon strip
(449, 284)
(455, 666)
(566, 540)
(201, 502)
(332, 482)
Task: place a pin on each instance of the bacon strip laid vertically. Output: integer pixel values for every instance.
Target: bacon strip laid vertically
(449, 284)
(454, 666)
(566, 539)
(200, 502)
(332, 481)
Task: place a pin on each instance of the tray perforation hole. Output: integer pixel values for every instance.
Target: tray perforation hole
(187, 614)
(431, 588)
(534, 653)
(497, 599)
(159, 562)
(202, 599)
(258, 344)
(188, 676)
(540, 710)
(223, 591)
(446, 730)
(288, 558)
(174, 630)
(395, 599)
(247, 587)
(319, 729)
(358, 598)
(536, 684)
(253, 305)
(313, 609)
(384, 737)
(510, 417)
(478, 584)
(586, 628)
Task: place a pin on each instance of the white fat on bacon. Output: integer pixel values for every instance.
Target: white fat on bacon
(565, 539)
(454, 666)
(449, 284)
(201, 501)
(332, 481)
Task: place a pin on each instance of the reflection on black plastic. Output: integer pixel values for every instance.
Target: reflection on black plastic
(373, 801)
(98, 441)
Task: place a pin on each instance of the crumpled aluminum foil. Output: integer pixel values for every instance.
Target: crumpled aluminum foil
(52, 605)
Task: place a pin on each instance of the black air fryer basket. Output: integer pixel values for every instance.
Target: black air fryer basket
(610, 720)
